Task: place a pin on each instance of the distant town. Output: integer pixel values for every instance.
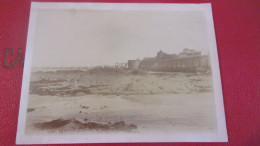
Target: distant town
(186, 61)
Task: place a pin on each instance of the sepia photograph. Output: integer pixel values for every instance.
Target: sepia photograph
(110, 72)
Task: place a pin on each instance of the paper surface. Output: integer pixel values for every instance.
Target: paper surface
(109, 72)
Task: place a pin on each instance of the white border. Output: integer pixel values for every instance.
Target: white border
(221, 136)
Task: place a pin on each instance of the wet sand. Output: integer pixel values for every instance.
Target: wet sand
(153, 112)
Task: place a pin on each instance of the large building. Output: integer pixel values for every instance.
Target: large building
(186, 61)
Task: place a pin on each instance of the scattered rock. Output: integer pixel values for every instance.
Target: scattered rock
(60, 123)
(54, 124)
(30, 110)
(132, 126)
(84, 107)
(103, 107)
(121, 125)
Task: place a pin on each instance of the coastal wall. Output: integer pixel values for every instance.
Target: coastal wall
(191, 64)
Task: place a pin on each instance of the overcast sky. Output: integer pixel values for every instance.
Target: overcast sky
(90, 38)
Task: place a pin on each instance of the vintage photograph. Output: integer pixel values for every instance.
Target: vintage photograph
(121, 73)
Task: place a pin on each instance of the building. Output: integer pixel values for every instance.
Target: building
(189, 53)
(134, 64)
(186, 61)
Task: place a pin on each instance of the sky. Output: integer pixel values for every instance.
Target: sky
(71, 38)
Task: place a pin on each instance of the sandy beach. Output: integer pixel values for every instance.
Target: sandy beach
(120, 100)
(165, 112)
